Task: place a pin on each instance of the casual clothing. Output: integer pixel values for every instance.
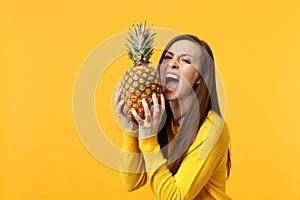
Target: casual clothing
(201, 175)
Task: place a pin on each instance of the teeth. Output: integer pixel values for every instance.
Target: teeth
(172, 76)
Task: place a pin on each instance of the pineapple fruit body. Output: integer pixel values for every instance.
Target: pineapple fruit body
(139, 83)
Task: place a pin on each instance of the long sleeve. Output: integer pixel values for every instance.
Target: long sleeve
(197, 178)
(132, 167)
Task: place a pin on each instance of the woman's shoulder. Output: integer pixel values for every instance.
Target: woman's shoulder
(214, 131)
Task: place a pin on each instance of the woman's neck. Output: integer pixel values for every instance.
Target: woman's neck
(179, 109)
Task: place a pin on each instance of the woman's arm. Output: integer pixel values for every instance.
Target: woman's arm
(193, 174)
(131, 162)
(132, 166)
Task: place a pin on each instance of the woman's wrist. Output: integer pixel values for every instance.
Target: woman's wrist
(132, 132)
(132, 129)
(146, 132)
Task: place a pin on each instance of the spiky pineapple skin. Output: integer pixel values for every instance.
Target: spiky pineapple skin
(139, 83)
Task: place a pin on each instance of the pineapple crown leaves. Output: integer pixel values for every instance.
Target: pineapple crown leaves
(140, 43)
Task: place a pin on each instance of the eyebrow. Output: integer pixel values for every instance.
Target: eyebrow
(185, 54)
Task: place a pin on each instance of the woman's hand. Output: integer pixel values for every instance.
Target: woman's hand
(149, 126)
(129, 125)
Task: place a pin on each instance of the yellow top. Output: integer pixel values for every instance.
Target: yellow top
(201, 175)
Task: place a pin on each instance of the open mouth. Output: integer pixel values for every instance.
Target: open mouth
(172, 82)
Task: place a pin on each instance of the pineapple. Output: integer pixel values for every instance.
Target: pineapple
(142, 80)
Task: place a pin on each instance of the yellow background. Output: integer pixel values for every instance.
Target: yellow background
(43, 43)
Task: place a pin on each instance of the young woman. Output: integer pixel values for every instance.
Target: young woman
(182, 146)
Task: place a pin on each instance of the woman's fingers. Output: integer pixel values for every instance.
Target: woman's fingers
(155, 103)
(120, 106)
(137, 117)
(156, 110)
(147, 111)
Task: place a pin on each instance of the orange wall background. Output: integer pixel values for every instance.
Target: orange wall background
(43, 44)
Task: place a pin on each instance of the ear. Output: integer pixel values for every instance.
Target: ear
(198, 81)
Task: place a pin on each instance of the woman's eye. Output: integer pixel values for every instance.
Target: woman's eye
(186, 61)
(167, 57)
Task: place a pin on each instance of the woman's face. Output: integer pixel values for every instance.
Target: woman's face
(178, 69)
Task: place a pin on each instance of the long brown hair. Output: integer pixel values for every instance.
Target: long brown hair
(204, 101)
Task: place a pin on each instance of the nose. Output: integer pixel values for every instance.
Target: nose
(173, 63)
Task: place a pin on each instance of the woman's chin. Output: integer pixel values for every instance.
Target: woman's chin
(170, 96)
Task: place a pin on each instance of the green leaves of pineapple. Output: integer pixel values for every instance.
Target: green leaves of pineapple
(140, 43)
